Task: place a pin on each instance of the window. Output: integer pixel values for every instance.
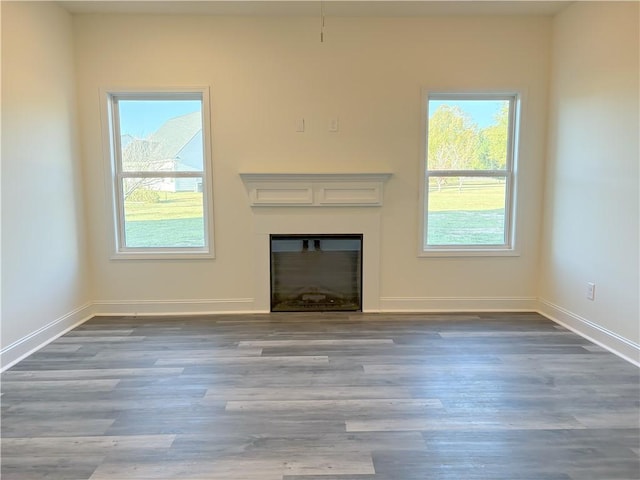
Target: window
(160, 171)
(469, 174)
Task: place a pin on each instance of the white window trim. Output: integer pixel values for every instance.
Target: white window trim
(512, 246)
(113, 176)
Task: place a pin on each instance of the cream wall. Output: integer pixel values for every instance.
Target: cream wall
(266, 72)
(45, 281)
(591, 210)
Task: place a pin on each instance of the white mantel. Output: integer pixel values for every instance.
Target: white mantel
(315, 189)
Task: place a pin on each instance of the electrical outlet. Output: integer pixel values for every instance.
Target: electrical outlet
(591, 291)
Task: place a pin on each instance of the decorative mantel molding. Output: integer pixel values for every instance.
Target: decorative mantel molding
(315, 189)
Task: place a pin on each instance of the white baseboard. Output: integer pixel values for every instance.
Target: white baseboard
(174, 307)
(620, 346)
(22, 348)
(458, 304)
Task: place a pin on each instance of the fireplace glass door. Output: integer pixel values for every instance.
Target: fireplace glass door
(316, 273)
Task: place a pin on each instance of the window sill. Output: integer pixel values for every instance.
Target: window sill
(469, 252)
(166, 255)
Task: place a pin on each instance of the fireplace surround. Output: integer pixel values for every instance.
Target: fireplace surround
(316, 272)
(316, 204)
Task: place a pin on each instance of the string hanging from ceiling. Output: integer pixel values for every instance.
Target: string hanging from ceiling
(321, 21)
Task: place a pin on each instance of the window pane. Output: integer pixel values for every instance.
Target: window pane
(163, 212)
(466, 211)
(161, 135)
(468, 134)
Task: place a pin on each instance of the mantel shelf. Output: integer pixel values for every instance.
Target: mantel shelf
(315, 189)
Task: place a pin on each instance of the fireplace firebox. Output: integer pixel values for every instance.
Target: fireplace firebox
(316, 273)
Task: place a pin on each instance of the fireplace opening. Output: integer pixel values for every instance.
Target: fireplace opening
(316, 273)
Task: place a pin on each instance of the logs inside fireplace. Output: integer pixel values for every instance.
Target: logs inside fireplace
(316, 273)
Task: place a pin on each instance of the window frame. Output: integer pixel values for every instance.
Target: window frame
(510, 247)
(116, 174)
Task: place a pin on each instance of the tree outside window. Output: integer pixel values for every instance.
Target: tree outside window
(468, 174)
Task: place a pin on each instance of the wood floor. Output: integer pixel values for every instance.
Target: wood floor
(321, 397)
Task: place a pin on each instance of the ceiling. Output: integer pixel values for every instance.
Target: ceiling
(336, 8)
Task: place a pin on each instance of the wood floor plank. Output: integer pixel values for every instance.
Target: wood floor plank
(89, 373)
(44, 426)
(224, 469)
(339, 464)
(324, 444)
(480, 421)
(296, 360)
(307, 392)
(99, 339)
(65, 466)
(336, 406)
(96, 445)
(109, 332)
(60, 348)
(42, 386)
(303, 343)
(164, 354)
(335, 396)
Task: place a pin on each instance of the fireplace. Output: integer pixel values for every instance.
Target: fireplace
(311, 205)
(316, 272)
